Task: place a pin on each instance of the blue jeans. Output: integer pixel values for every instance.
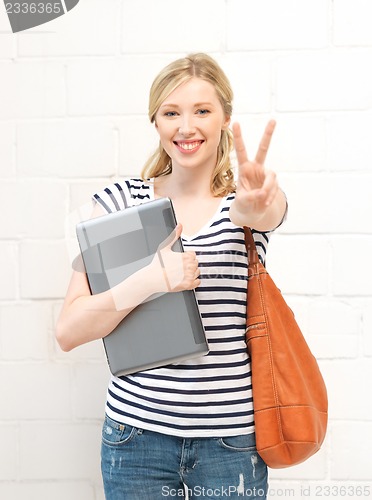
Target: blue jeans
(145, 465)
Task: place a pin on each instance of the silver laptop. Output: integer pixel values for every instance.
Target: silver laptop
(164, 330)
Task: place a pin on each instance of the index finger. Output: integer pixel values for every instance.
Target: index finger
(241, 153)
(265, 142)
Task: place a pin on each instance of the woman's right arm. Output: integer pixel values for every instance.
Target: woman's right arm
(85, 317)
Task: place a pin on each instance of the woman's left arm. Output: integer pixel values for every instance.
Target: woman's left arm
(259, 202)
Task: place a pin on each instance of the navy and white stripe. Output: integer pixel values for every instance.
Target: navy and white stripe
(210, 395)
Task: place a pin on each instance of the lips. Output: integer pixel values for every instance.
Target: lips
(188, 146)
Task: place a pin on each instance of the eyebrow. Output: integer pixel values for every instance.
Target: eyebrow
(196, 105)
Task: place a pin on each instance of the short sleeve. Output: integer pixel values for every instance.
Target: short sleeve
(114, 197)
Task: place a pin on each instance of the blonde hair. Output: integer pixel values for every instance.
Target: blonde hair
(172, 76)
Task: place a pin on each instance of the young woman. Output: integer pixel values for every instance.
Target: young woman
(187, 426)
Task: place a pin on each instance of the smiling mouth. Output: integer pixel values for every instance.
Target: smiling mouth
(188, 146)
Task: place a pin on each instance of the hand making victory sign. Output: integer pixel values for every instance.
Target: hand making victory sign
(259, 202)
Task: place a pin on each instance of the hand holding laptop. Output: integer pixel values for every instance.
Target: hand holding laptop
(136, 255)
(179, 269)
(169, 271)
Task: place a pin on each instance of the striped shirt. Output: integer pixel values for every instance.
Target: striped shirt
(208, 396)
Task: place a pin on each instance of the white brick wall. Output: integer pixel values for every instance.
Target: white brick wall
(269, 25)
(73, 100)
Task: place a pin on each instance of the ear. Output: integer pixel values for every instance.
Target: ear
(226, 123)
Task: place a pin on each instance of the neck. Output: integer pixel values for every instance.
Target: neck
(185, 183)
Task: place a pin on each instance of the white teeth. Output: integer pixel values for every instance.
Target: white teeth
(189, 145)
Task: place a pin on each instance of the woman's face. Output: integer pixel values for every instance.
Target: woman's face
(189, 123)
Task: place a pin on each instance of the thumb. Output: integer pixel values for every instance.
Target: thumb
(172, 238)
(176, 233)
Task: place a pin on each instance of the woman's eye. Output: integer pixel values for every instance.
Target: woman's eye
(170, 113)
(203, 111)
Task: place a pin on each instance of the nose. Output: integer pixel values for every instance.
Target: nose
(187, 127)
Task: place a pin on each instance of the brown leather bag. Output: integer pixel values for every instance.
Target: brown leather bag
(289, 394)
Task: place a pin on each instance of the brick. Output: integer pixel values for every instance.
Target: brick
(289, 148)
(343, 219)
(43, 490)
(332, 328)
(45, 269)
(351, 25)
(67, 149)
(348, 277)
(351, 444)
(251, 95)
(138, 29)
(9, 437)
(132, 158)
(255, 25)
(43, 209)
(330, 213)
(333, 317)
(89, 30)
(40, 209)
(7, 46)
(72, 454)
(35, 391)
(32, 89)
(333, 346)
(9, 198)
(8, 270)
(112, 87)
(7, 39)
(303, 216)
(345, 381)
(291, 151)
(291, 262)
(88, 404)
(367, 328)
(318, 81)
(348, 141)
(25, 331)
(7, 143)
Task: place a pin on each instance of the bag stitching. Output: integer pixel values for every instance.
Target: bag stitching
(278, 417)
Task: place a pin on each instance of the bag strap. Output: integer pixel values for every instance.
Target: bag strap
(250, 245)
